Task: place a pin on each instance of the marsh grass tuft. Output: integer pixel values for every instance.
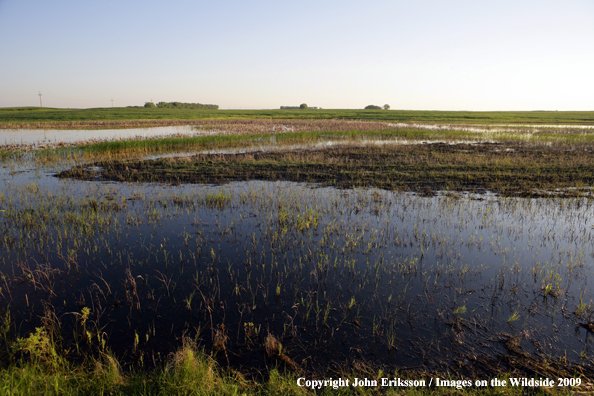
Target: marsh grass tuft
(514, 316)
(41, 348)
(274, 349)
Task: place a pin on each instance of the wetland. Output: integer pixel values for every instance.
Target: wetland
(322, 251)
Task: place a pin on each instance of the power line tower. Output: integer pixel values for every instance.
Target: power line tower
(40, 103)
(111, 102)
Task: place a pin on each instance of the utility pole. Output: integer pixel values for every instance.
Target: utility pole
(111, 102)
(40, 104)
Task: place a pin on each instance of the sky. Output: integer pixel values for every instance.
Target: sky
(416, 55)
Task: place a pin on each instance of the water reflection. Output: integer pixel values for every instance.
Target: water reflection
(47, 137)
(386, 277)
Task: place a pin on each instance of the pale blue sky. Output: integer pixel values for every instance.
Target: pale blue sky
(454, 55)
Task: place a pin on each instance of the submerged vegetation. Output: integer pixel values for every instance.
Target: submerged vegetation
(314, 282)
(221, 273)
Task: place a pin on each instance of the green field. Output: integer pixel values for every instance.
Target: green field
(21, 116)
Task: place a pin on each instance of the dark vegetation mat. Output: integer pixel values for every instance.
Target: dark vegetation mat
(509, 169)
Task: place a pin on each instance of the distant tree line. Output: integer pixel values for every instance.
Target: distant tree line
(302, 106)
(180, 105)
(374, 107)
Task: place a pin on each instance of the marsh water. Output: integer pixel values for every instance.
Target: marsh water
(390, 279)
(48, 137)
(41, 138)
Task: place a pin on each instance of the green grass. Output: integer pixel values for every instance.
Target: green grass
(309, 137)
(32, 115)
(191, 372)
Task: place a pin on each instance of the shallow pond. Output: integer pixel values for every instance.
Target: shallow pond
(337, 276)
(52, 137)
(43, 138)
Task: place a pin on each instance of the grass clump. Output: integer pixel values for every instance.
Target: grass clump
(40, 347)
(191, 372)
(40, 370)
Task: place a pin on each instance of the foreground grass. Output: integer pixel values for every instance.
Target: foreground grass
(191, 372)
(33, 117)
